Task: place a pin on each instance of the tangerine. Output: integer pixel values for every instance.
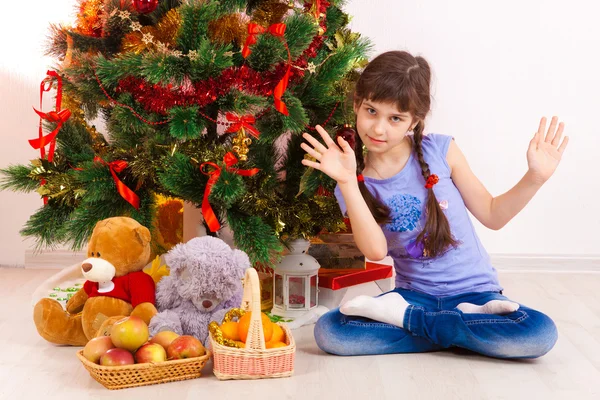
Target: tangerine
(230, 330)
(244, 326)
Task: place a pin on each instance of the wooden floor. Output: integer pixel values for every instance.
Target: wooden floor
(31, 368)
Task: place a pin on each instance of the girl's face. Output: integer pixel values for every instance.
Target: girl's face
(381, 126)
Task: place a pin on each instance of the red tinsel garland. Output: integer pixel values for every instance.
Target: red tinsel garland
(159, 98)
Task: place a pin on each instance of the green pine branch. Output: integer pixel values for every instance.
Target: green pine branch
(255, 237)
(18, 179)
(48, 225)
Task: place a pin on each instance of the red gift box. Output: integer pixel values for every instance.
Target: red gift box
(335, 279)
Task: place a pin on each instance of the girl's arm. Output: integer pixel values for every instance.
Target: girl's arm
(368, 235)
(341, 166)
(543, 156)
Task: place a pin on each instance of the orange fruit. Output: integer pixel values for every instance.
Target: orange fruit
(230, 330)
(244, 325)
(278, 334)
(273, 345)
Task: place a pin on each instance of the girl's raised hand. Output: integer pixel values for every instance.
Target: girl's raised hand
(337, 164)
(545, 151)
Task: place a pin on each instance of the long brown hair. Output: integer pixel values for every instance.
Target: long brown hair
(398, 77)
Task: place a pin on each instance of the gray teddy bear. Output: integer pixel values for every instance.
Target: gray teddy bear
(204, 283)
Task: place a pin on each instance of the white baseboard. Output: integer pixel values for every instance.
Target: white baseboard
(58, 259)
(53, 259)
(546, 263)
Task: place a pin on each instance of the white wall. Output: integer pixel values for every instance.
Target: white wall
(22, 66)
(497, 69)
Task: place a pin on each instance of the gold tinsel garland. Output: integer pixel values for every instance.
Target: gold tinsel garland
(214, 329)
(270, 12)
(227, 29)
(165, 32)
(89, 17)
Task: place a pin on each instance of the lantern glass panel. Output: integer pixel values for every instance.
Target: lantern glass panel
(313, 291)
(278, 290)
(297, 291)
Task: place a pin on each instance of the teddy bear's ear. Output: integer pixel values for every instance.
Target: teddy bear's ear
(142, 234)
(241, 260)
(99, 224)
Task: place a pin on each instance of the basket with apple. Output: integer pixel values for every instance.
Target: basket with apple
(253, 347)
(129, 358)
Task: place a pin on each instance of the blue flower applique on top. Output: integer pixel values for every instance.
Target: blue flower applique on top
(406, 212)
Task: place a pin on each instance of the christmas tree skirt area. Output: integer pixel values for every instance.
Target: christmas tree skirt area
(63, 283)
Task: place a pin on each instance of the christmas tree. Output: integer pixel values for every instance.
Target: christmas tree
(204, 101)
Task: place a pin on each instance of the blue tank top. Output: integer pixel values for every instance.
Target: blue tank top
(461, 269)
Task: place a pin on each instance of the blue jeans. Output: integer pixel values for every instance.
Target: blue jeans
(434, 323)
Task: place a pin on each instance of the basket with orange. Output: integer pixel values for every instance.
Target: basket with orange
(252, 347)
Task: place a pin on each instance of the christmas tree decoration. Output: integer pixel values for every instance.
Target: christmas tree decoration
(240, 125)
(348, 134)
(270, 12)
(228, 29)
(118, 166)
(168, 224)
(203, 102)
(229, 160)
(145, 6)
(89, 18)
(159, 37)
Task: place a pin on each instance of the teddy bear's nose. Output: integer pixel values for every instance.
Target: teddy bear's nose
(86, 267)
(206, 303)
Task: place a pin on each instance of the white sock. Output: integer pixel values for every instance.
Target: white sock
(389, 308)
(497, 307)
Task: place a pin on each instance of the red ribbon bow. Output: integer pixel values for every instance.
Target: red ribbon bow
(431, 180)
(244, 122)
(229, 159)
(57, 116)
(275, 30)
(124, 191)
(254, 30)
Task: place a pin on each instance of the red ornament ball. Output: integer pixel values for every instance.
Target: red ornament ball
(145, 6)
(348, 134)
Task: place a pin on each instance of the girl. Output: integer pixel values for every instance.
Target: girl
(409, 198)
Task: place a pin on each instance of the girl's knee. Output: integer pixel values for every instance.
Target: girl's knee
(535, 341)
(544, 332)
(327, 333)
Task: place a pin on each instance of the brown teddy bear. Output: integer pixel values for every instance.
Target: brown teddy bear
(115, 287)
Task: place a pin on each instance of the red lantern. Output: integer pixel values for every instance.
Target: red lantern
(145, 6)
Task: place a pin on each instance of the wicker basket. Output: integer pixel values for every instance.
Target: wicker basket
(144, 374)
(254, 361)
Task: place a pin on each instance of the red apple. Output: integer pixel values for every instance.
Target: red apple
(150, 352)
(164, 338)
(116, 357)
(129, 333)
(185, 347)
(96, 347)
